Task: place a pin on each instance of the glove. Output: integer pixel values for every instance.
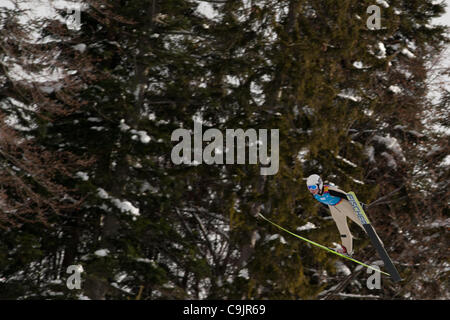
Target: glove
(343, 250)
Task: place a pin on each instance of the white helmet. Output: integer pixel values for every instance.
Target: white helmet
(314, 180)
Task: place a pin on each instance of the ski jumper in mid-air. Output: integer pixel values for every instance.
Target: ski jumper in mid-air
(340, 209)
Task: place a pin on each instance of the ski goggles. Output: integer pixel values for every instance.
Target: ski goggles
(314, 187)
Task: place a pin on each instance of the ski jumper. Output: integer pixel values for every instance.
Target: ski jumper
(340, 210)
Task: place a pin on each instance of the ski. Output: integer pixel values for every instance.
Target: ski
(375, 240)
(323, 247)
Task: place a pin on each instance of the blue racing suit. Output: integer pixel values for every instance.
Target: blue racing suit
(327, 198)
(340, 209)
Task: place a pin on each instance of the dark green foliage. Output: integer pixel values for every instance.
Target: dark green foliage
(311, 69)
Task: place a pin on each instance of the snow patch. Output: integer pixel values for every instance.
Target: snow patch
(126, 207)
(301, 155)
(357, 181)
(141, 135)
(445, 162)
(137, 134)
(308, 226)
(81, 47)
(232, 81)
(51, 88)
(342, 268)
(392, 144)
(383, 3)
(102, 193)
(349, 96)
(395, 89)
(408, 53)
(347, 161)
(257, 93)
(382, 50)
(370, 152)
(243, 273)
(390, 160)
(82, 175)
(274, 237)
(101, 252)
(359, 65)
(97, 128)
(94, 119)
(207, 10)
(123, 126)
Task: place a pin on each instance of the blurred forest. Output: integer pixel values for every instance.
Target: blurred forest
(87, 111)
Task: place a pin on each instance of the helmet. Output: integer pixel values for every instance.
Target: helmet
(314, 180)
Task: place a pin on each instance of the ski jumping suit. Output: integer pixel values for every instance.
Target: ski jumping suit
(340, 209)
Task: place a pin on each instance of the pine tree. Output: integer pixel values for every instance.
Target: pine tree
(348, 102)
(36, 88)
